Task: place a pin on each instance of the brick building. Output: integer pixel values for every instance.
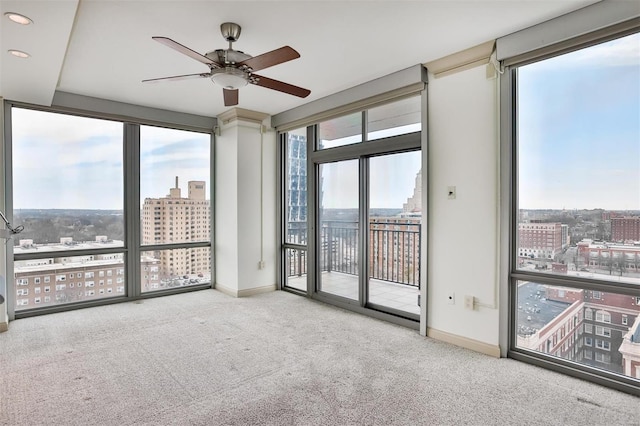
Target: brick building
(625, 228)
(596, 328)
(56, 280)
(541, 240)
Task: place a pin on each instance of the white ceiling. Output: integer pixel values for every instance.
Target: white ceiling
(104, 48)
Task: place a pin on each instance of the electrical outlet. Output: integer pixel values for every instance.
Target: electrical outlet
(261, 264)
(451, 298)
(469, 302)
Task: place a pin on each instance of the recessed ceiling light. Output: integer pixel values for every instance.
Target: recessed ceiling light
(19, 53)
(18, 18)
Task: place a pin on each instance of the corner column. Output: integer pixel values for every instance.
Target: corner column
(245, 204)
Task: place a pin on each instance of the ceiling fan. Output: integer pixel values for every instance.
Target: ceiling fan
(233, 69)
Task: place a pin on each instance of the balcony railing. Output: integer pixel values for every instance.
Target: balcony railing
(394, 250)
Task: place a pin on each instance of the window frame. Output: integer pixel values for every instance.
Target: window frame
(360, 151)
(510, 274)
(132, 248)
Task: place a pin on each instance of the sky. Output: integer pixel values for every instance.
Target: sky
(67, 162)
(579, 129)
(392, 180)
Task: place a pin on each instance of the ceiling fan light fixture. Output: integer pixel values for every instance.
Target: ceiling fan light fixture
(18, 18)
(229, 78)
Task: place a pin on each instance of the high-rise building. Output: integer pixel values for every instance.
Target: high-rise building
(174, 219)
(413, 206)
(297, 188)
(625, 228)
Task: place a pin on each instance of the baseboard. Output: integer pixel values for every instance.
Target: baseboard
(464, 342)
(256, 290)
(246, 292)
(4, 326)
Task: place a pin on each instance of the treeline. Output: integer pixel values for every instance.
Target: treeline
(48, 226)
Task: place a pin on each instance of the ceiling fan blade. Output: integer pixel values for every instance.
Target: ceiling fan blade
(270, 59)
(186, 51)
(280, 86)
(230, 97)
(177, 77)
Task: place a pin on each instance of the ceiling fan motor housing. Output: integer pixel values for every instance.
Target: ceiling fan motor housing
(230, 31)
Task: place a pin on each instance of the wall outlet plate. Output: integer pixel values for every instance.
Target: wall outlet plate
(469, 302)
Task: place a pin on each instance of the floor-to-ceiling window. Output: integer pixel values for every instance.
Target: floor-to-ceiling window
(360, 243)
(294, 144)
(109, 209)
(575, 222)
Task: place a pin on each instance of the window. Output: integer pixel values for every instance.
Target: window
(340, 131)
(624, 320)
(68, 174)
(603, 331)
(603, 316)
(559, 126)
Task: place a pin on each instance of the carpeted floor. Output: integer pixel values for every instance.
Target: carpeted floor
(204, 358)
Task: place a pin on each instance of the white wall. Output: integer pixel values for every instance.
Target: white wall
(226, 208)
(249, 211)
(463, 152)
(244, 235)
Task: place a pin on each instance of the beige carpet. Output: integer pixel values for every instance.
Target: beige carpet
(204, 358)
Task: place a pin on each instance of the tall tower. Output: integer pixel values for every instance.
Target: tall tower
(173, 219)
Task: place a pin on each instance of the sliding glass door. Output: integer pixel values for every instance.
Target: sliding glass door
(394, 228)
(339, 229)
(358, 179)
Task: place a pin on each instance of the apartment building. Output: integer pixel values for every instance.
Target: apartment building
(59, 280)
(179, 219)
(625, 228)
(541, 240)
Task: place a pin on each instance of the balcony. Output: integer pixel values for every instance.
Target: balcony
(394, 259)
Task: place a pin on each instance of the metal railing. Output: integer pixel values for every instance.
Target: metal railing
(394, 250)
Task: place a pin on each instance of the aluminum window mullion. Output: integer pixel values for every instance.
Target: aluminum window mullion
(312, 213)
(10, 285)
(363, 239)
(390, 145)
(132, 207)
